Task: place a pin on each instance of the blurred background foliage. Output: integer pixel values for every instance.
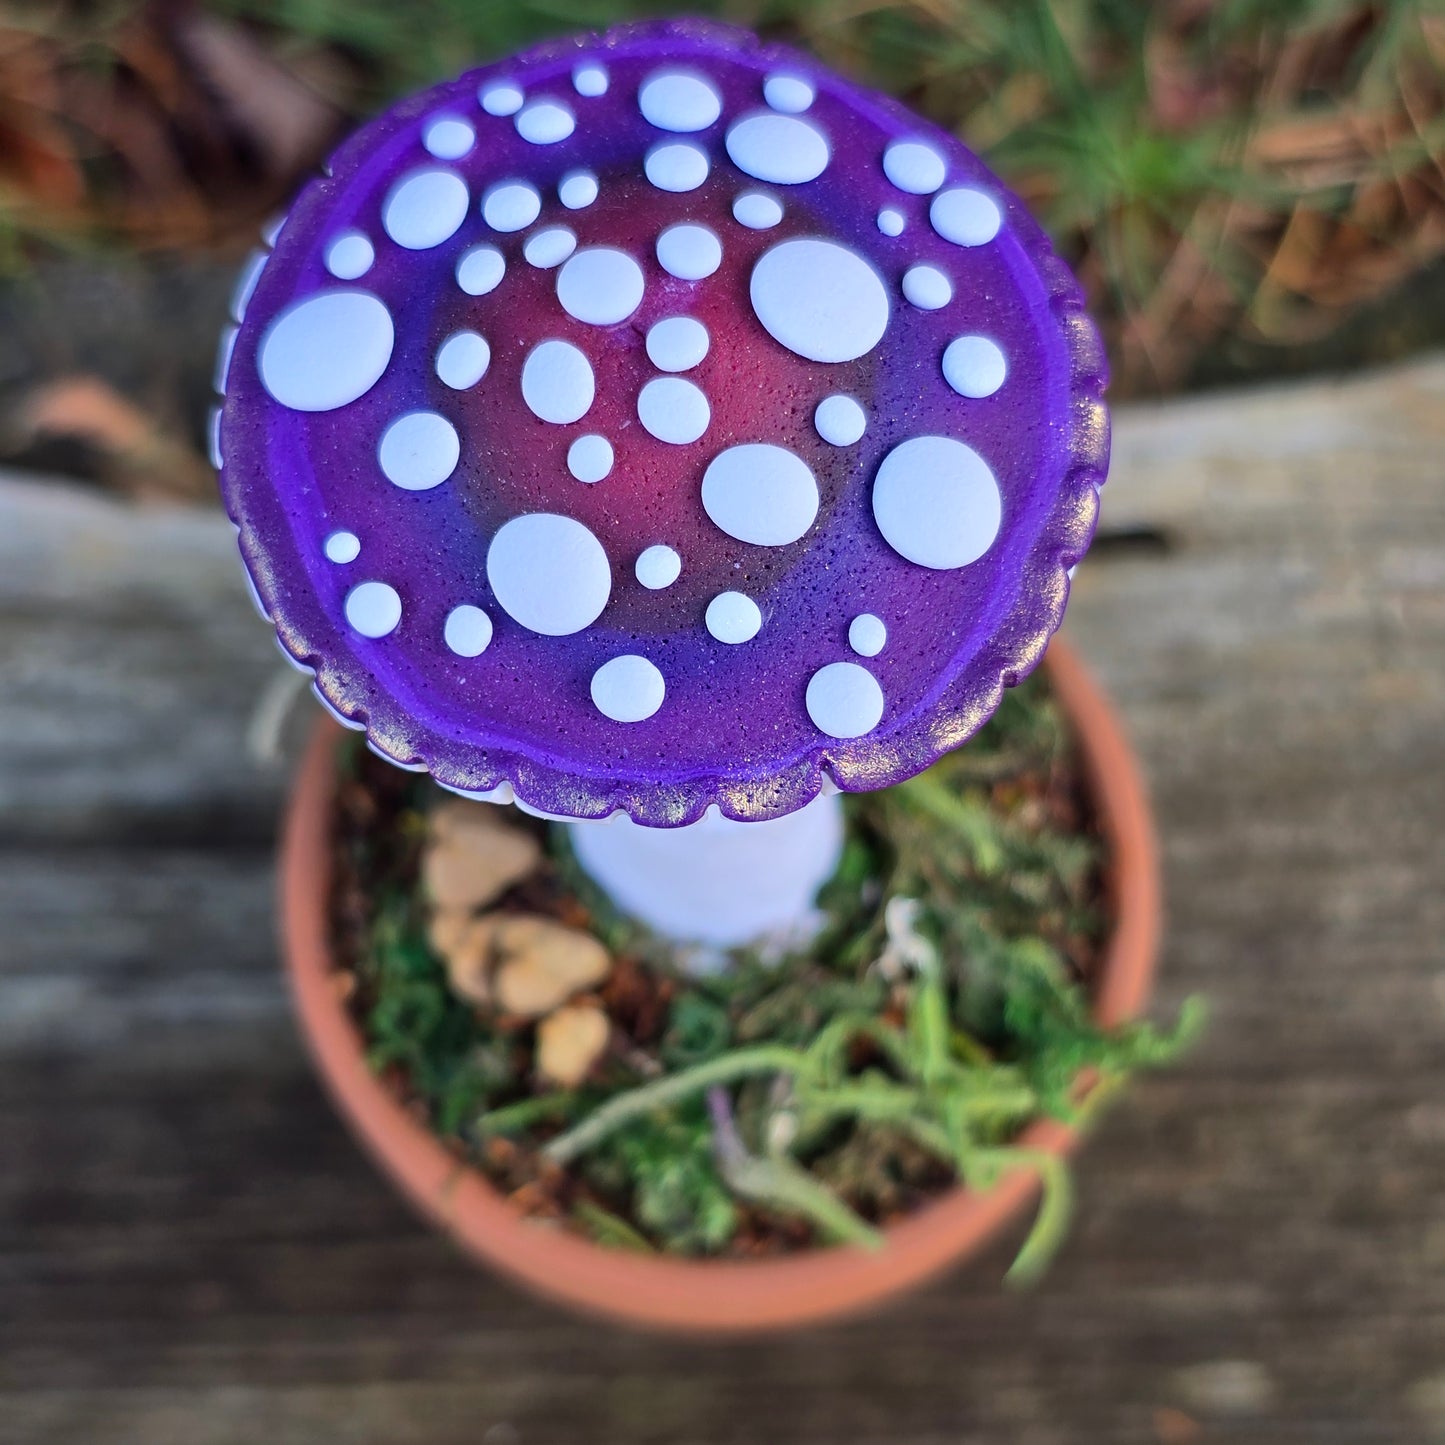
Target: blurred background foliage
(1223, 173)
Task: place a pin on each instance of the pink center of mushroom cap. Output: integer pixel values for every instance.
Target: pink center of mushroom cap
(656, 420)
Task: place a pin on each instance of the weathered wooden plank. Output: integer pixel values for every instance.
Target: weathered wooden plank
(190, 1248)
(132, 661)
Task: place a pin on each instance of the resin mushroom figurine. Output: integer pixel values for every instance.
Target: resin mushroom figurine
(660, 432)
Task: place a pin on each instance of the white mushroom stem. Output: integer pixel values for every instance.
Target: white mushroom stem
(718, 882)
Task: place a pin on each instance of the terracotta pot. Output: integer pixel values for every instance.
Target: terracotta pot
(698, 1294)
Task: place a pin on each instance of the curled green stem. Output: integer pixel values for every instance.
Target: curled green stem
(607, 1118)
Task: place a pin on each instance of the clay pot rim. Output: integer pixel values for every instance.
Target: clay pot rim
(712, 1296)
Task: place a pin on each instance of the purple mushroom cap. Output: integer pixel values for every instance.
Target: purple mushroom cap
(657, 419)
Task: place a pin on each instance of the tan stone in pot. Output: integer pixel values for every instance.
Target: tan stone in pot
(541, 964)
(473, 856)
(570, 1041)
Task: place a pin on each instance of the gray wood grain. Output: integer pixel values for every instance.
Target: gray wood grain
(192, 1250)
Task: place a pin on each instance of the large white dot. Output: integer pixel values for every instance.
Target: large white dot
(577, 189)
(679, 100)
(760, 493)
(914, 166)
(867, 634)
(545, 122)
(689, 251)
(974, 366)
(936, 502)
(600, 285)
(965, 216)
(927, 288)
(778, 148)
(557, 382)
(373, 608)
(326, 351)
(733, 617)
(423, 209)
(677, 344)
(468, 630)
(628, 689)
(342, 547)
(480, 270)
(757, 210)
(549, 573)
(840, 420)
(448, 137)
(790, 94)
(589, 458)
(462, 360)
(550, 247)
(419, 451)
(844, 700)
(676, 166)
(511, 205)
(350, 255)
(819, 299)
(501, 97)
(590, 78)
(658, 566)
(673, 410)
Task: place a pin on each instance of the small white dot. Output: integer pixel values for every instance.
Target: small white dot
(964, 216)
(914, 166)
(448, 137)
(673, 410)
(373, 608)
(600, 285)
(549, 573)
(424, 208)
(974, 366)
(677, 344)
(867, 634)
(590, 78)
(659, 566)
(480, 270)
(679, 100)
(840, 420)
(821, 300)
(689, 251)
(342, 547)
(468, 630)
(463, 359)
(577, 189)
(676, 166)
(511, 206)
(927, 288)
(628, 689)
(757, 210)
(890, 222)
(783, 149)
(733, 617)
(844, 700)
(589, 458)
(937, 502)
(501, 97)
(545, 122)
(550, 247)
(419, 451)
(350, 255)
(557, 382)
(790, 94)
(325, 351)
